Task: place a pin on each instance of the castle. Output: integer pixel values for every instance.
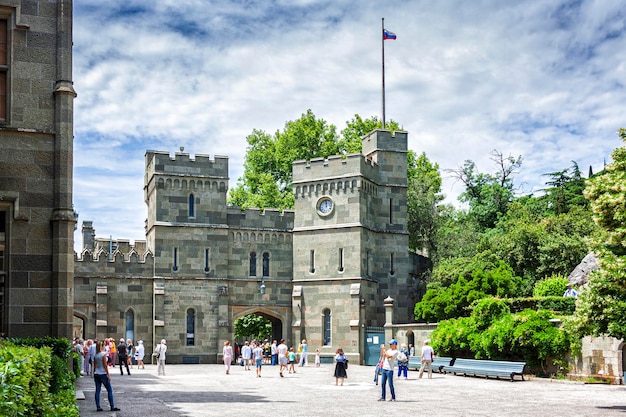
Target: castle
(321, 271)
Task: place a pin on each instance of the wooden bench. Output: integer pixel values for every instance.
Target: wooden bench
(486, 368)
(439, 363)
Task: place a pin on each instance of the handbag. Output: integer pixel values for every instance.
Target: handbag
(345, 363)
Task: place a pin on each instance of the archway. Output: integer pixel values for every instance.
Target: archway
(78, 328)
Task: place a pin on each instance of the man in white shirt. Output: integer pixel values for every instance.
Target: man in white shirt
(389, 362)
(246, 355)
(282, 350)
(428, 354)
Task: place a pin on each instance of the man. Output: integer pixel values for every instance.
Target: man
(160, 350)
(389, 362)
(257, 353)
(282, 350)
(274, 351)
(122, 356)
(428, 354)
(246, 355)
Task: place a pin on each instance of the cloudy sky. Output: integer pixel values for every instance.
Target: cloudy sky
(542, 79)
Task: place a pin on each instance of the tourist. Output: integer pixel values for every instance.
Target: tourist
(411, 349)
(122, 355)
(292, 360)
(274, 353)
(389, 362)
(403, 365)
(160, 350)
(246, 355)
(304, 353)
(140, 352)
(340, 366)
(130, 348)
(257, 354)
(227, 356)
(92, 354)
(101, 376)
(428, 354)
(317, 357)
(281, 351)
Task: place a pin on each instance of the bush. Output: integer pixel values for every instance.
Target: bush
(554, 286)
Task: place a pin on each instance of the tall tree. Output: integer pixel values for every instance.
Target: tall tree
(565, 189)
(488, 195)
(423, 199)
(602, 306)
(267, 177)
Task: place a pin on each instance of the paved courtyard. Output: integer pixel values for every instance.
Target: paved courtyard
(205, 390)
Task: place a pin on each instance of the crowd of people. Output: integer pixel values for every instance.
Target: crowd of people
(100, 355)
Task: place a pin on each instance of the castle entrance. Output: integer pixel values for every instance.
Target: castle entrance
(258, 325)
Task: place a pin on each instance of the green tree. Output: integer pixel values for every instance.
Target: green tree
(602, 306)
(267, 176)
(565, 189)
(253, 326)
(423, 200)
(488, 195)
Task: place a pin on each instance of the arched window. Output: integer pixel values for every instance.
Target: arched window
(192, 206)
(191, 327)
(253, 264)
(266, 264)
(326, 326)
(130, 325)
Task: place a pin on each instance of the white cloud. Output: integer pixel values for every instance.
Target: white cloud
(540, 79)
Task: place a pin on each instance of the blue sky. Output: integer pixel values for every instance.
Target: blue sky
(540, 79)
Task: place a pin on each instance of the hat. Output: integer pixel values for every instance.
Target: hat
(393, 342)
(122, 339)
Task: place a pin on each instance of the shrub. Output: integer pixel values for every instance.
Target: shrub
(553, 286)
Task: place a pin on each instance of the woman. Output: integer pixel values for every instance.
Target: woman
(340, 367)
(101, 376)
(227, 354)
(140, 352)
(304, 353)
(403, 365)
(130, 348)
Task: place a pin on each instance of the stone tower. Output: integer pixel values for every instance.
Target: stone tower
(350, 241)
(36, 138)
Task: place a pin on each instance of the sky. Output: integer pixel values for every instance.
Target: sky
(539, 79)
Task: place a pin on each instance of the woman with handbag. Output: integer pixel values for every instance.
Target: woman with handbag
(340, 366)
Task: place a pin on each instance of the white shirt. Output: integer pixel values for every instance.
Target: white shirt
(389, 363)
(427, 353)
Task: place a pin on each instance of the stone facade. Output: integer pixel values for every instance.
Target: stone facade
(319, 273)
(36, 138)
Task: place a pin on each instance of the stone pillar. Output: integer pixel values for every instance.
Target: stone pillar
(389, 302)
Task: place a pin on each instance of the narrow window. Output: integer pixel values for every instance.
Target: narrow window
(367, 263)
(4, 69)
(391, 210)
(312, 261)
(206, 261)
(326, 326)
(253, 264)
(175, 268)
(391, 271)
(191, 327)
(266, 264)
(192, 207)
(130, 325)
(340, 259)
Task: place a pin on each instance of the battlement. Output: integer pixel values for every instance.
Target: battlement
(384, 140)
(182, 164)
(319, 169)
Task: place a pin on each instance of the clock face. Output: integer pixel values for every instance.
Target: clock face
(326, 206)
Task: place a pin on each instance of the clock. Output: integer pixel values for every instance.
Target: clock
(325, 206)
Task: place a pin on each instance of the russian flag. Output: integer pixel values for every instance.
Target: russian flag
(388, 35)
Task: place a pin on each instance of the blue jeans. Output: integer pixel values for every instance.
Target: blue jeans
(274, 359)
(403, 369)
(387, 376)
(103, 379)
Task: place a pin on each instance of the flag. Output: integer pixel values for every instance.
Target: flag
(388, 35)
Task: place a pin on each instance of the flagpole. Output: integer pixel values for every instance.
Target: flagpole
(382, 38)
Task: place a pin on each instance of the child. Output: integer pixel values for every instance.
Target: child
(317, 357)
(292, 360)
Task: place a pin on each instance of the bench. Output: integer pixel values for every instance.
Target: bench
(439, 363)
(486, 368)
